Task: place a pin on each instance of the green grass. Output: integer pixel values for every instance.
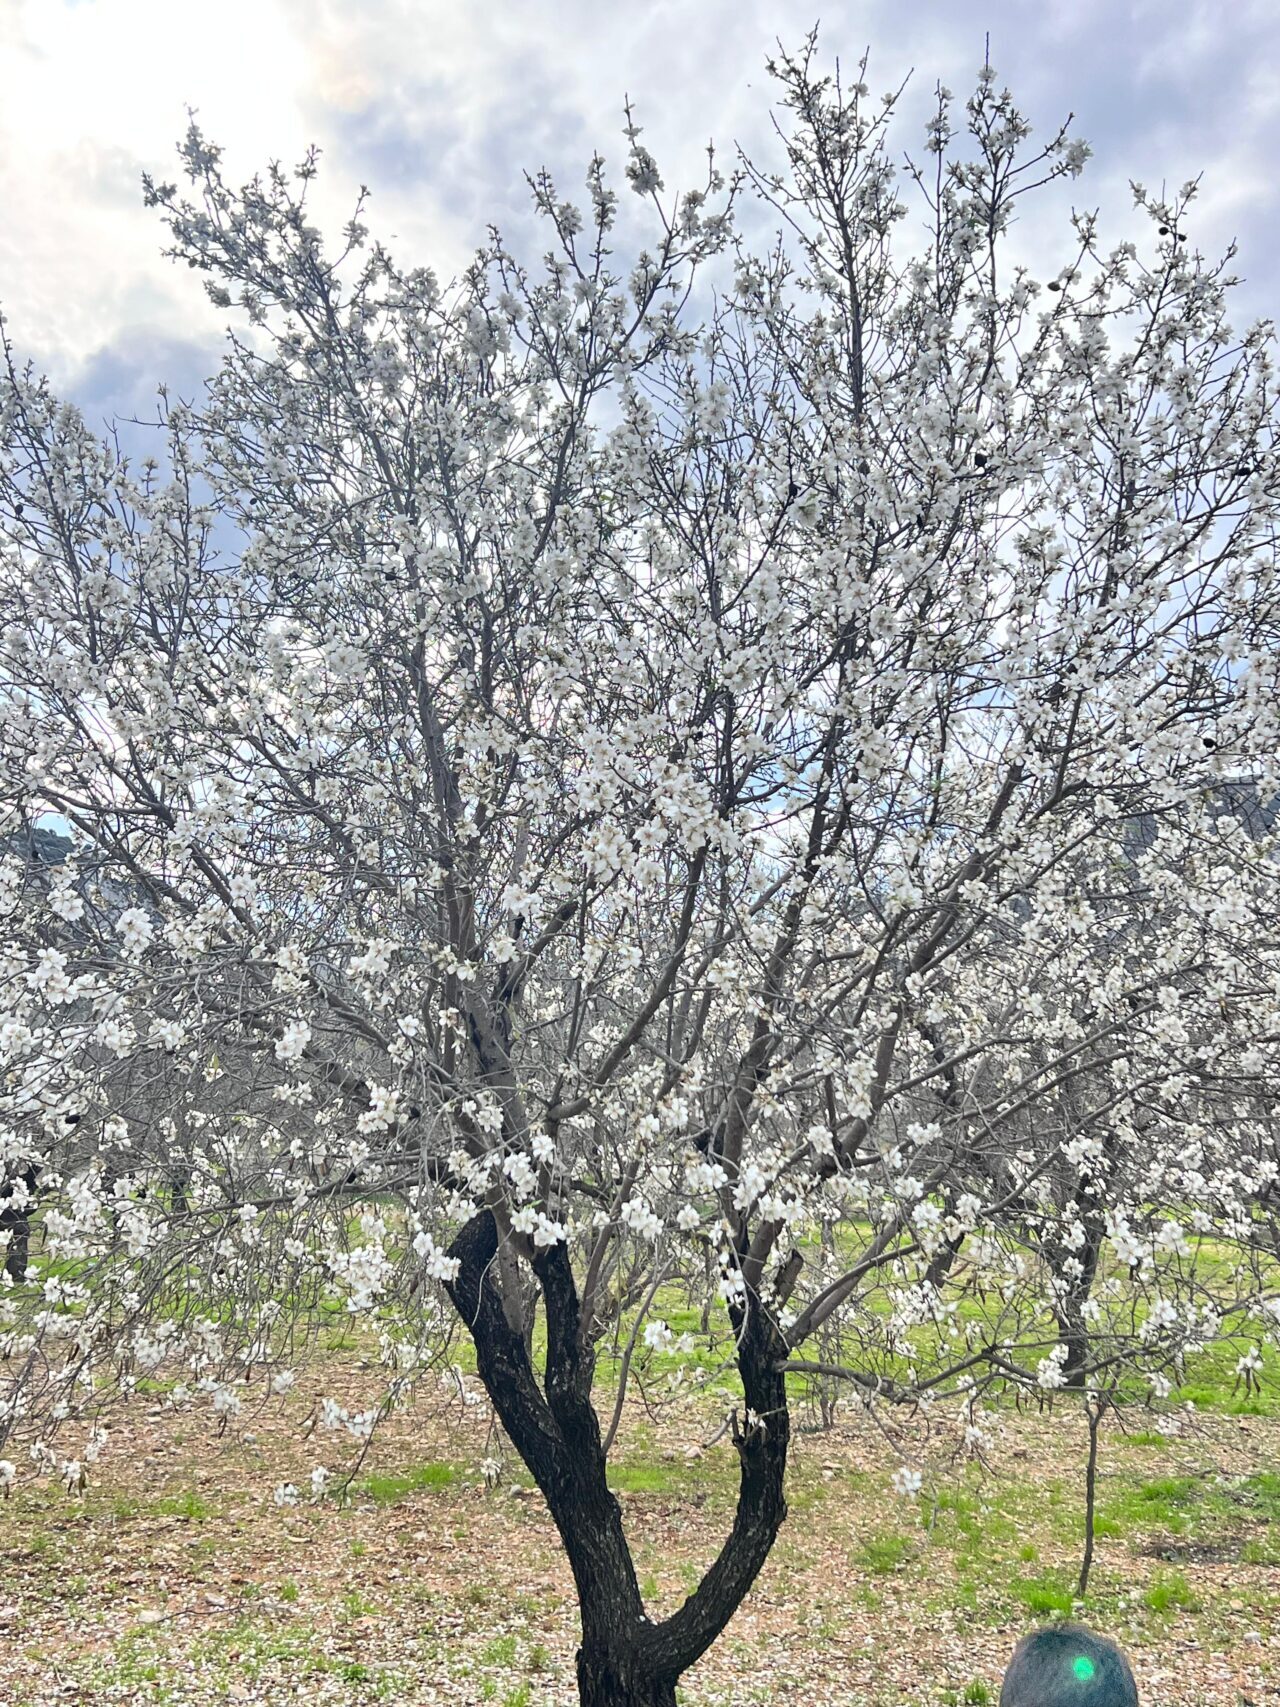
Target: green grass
(1046, 1596)
(1165, 1502)
(127, 1677)
(390, 1487)
(1192, 1507)
(1211, 1381)
(253, 1649)
(1171, 1593)
(124, 1508)
(1261, 1494)
(975, 1693)
(883, 1554)
(1213, 1385)
(189, 1505)
(633, 1478)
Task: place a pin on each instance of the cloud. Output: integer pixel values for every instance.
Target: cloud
(123, 375)
(440, 108)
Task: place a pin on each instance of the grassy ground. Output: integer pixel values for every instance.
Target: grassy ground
(176, 1578)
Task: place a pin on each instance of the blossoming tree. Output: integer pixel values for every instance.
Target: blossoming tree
(614, 780)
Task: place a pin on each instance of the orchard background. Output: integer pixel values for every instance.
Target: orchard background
(640, 894)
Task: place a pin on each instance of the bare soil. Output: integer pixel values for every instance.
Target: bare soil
(176, 1577)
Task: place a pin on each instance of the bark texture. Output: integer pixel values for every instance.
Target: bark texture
(626, 1659)
(15, 1222)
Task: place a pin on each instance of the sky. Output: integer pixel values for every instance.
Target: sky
(440, 106)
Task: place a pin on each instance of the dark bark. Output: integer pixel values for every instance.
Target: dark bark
(15, 1220)
(608, 1680)
(179, 1187)
(762, 1453)
(943, 1260)
(1094, 1415)
(625, 1660)
(558, 1437)
(16, 1224)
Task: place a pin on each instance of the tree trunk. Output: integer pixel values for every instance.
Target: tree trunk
(15, 1220)
(625, 1660)
(557, 1434)
(180, 1190)
(1093, 1414)
(612, 1680)
(18, 1227)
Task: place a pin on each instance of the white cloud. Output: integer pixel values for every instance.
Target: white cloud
(94, 94)
(440, 107)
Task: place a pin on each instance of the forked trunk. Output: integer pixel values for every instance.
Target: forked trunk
(626, 1660)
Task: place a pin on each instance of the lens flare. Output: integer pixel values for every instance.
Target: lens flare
(1083, 1668)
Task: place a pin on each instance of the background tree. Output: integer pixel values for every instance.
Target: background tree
(630, 776)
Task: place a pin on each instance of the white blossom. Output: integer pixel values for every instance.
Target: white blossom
(135, 930)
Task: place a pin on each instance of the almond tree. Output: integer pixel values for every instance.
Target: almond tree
(622, 768)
